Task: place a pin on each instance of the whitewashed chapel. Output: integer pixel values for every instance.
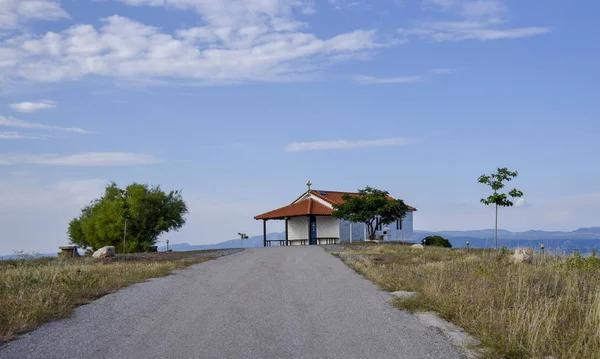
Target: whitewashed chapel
(309, 221)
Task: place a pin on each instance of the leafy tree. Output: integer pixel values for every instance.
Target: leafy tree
(149, 212)
(369, 206)
(437, 241)
(496, 182)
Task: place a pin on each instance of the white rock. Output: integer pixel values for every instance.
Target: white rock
(417, 246)
(403, 294)
(108, 251)
(522, 255)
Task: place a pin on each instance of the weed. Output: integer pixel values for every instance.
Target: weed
(37, 290)
(550, 308)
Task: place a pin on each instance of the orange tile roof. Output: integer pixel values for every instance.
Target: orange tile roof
(303, 208)
(335, 197)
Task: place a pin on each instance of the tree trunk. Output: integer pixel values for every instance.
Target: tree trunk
(496, 228)
(371, 230)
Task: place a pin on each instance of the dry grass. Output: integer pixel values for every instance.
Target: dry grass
(548, 308)
(35, 291)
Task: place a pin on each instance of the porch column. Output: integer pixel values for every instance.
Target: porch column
(287, 242)
(265, 232)
(308, 238)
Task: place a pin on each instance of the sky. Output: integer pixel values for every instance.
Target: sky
(240, 102)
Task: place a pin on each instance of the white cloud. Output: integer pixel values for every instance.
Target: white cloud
(240, 41)
(470, 20)
(81, 191)
(564, 213)
(482, 8)
(50, 206)
(468, 8)
(443, 71)
(344, 4)
(29, 107)
(20, 136)
(13, 122)
(80, 159)
(469, 30)
(232, 13)
(347, 144)
(371, 80)
(13, 12)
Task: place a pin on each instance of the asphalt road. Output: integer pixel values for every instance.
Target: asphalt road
(286, 302)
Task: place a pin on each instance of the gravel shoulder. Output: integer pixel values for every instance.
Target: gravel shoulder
(292, 302)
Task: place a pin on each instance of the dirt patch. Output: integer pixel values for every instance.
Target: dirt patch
(171, 256)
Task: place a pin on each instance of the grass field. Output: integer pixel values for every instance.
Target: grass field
(549, 308)
(35, 291)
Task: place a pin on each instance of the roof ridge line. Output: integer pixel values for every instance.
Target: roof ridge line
(320, 190)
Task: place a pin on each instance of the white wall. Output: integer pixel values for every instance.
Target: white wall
(298, 228)
(327, 227)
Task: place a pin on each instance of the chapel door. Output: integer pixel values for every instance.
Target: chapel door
(313, 230)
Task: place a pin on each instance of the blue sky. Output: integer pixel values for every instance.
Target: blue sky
(240, 102)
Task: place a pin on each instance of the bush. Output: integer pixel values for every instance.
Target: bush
(576, 261)
(437, 241)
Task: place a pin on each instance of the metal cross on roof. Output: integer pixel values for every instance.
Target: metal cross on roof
(308, 184)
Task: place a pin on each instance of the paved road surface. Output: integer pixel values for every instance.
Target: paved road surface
(287, 302)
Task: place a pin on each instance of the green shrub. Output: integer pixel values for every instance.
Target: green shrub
(503, 254)
(437, 241)
(576, 261)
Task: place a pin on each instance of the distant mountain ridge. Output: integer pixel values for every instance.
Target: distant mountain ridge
(252, 242)
(582, 233)
(477, 238)
(582, 238)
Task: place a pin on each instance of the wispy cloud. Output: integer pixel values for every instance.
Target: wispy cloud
(80, 159)
(443, 71)
(371, 80)
(521, 202)
(21, 136)
(247, 42)
(347, 144)
(469, 30)
(468, 20)
(13, 122)
(29, 107)
(14, 12)
(468, 8)
(344, 4)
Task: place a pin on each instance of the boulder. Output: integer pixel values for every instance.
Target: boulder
(417, 246)
(108, 251)
(522, 255)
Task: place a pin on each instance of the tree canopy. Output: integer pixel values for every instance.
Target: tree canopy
(496, 182)
(148, 210)
(370, 206)
(437, 241)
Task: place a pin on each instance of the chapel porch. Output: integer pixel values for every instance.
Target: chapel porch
(307, 222)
